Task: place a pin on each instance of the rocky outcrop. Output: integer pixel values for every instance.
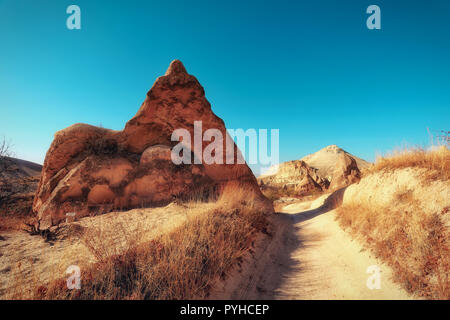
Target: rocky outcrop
(330, 168)
(326, 159)
(296, 178)
(90, 170)
(345, 172)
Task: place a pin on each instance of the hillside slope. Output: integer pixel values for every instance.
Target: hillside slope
(18, 184)
(402, 215)
(18, 168)
(325, 160)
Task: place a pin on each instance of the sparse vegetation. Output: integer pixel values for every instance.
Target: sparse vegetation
(413, 241)
(16, 199)
(15, 206)
(437, 160)
(8, 189)
(181, 264)
(14, 221)
(102, 146)
(5, 165)
(274, 193)
(5, 149)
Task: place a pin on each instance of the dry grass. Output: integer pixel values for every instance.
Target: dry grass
(180, 264)
(413, 242)
(436, 160)
(16, 199)
(275, 193)
(13, 222)
(31, 261)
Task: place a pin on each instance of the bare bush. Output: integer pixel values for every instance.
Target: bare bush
(5, 164)
(6, 152)
(439, 138)
(6, 148)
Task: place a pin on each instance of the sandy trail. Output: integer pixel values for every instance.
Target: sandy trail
(310, 257)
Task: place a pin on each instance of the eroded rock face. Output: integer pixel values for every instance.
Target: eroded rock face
(325, 161)
(345, 173)
(328, 169)
(295, 177)
(90, 170)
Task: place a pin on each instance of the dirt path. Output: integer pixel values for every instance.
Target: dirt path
(310, 257)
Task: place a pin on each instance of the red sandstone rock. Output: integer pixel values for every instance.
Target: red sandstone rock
(91, 170)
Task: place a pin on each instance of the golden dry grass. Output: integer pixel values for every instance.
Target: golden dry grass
(180, 264)
(32, 261)
(274, 193)
(436, 160)
(413, 242)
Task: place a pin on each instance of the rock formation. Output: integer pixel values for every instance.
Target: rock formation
(345, 172)
(296, 178)
(330, 168)
(325, 161)
(90, 170)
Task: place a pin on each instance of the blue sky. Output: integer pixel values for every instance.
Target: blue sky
(309, 68)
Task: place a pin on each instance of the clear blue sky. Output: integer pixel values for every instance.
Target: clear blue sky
(309, 68)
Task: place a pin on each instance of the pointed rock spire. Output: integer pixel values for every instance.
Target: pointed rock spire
(176, 67)
(175, 101)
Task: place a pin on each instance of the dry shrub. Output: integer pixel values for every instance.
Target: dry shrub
(14, 222)
(181, 264)
(414, 243)
(437, 160)
(16, 200)
(274, 193)
(100, 145)
(105, 241)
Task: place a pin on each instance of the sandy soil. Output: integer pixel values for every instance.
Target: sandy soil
(27, 261)
(309, 257)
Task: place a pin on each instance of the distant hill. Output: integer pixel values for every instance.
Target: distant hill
(18, 183)
(18, 168)
(325, 160)
(328, 168)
